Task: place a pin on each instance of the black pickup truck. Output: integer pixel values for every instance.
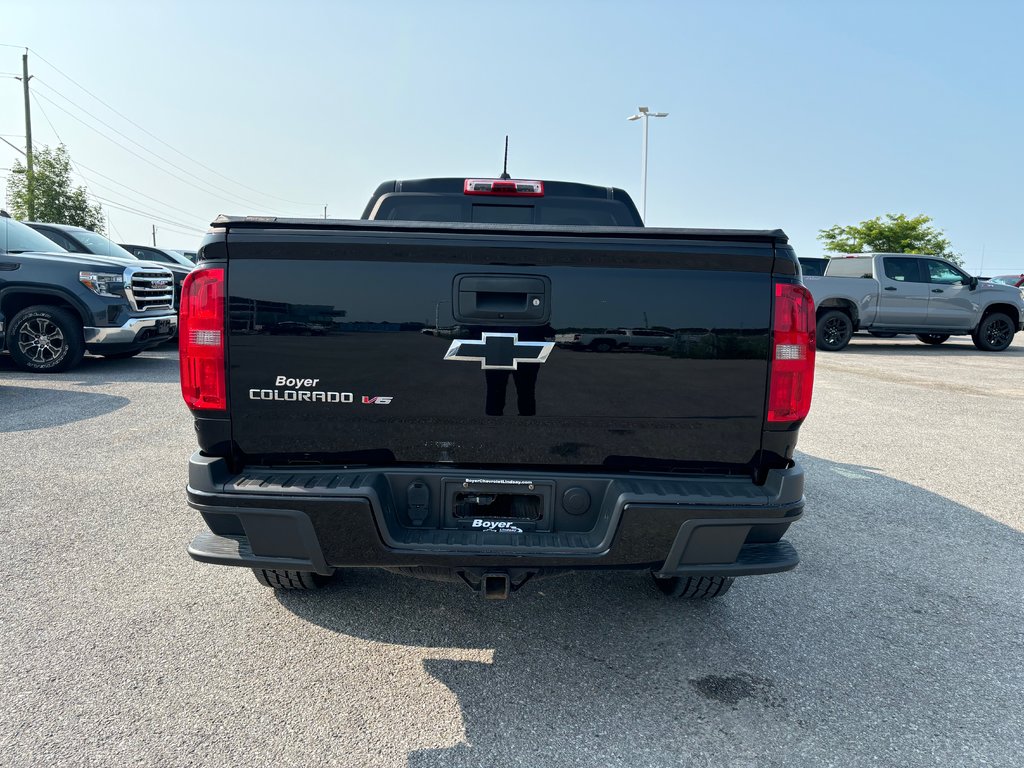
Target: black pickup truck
(388, 392)
(55, 305)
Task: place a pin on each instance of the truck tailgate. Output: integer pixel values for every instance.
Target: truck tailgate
(370, 347)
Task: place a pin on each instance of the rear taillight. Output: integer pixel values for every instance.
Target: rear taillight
(792, 373)
(201, 340)
(516, 187)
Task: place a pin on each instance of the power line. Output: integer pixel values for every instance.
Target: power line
(79, 166)
(12, 146)
(132, 189)
(157, 138)
(135, 202)
(113, 229)
(111, 203)
(155, 216)
(179, 232)
(141, 146)
(136, 154)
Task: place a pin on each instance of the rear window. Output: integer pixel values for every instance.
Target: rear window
(503, 214)
(419, 208)
(584, 213)
(565, 212)
(813, 267)
(849, 267)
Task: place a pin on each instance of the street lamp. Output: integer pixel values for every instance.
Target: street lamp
(643, 114)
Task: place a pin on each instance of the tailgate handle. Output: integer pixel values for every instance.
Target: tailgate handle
(502, 299)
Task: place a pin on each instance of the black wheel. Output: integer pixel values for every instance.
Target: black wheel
(45, 339)
(933, 338)
(995, 333)
(603, 346)
(694, 587)
(289, 580)
(834, 330)
(120, 355)
(883, 334)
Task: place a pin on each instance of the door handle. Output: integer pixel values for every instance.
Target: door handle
(936, 290)
(889, 288)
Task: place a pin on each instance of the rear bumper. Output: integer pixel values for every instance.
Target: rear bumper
(317, 520)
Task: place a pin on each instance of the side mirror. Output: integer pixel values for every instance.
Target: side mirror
(974, 282)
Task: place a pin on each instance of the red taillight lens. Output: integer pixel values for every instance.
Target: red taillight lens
(201, 340)
(792, 375)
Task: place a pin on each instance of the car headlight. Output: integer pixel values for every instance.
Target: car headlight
(103, 283)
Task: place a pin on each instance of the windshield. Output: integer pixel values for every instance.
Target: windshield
(99, 245)
(177, 258)
(15, 236)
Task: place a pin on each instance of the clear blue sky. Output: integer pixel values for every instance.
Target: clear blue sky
(791, 115)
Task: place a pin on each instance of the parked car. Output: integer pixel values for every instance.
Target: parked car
(178, 264)
(617, 339)
(908, 293)
(79, 239)
(55, 305)
(1017, 281)
(190, 255)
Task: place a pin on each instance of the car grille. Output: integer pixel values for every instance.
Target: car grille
(149, 288)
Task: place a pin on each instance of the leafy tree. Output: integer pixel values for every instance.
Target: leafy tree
(893, 233)
(57, 200)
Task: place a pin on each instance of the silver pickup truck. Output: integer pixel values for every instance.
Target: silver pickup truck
(905, 293)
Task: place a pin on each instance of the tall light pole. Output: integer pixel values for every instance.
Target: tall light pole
(644, 114)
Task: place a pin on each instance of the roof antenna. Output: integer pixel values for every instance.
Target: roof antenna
(504, 171)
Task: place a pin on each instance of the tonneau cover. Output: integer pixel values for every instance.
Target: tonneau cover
(775, 236)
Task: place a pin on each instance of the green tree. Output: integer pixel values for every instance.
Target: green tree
(893, 233)
(57, 200)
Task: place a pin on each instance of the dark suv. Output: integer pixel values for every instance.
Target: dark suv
(55, 305)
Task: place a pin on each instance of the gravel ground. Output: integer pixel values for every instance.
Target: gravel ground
(898, 641)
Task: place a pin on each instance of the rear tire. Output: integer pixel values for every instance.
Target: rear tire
(932, 338)
(289, 580)
(693, 587)
(834, 330)
(602, 346)
(45, 339)
(994, 333)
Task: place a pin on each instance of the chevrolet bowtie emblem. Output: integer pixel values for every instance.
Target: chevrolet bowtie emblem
(503, 351)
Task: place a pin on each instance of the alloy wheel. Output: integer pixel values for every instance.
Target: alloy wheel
(41, 340)
(998, 333)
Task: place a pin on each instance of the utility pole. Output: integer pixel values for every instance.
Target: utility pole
(154, 235)
(325, 210)
(30, 185)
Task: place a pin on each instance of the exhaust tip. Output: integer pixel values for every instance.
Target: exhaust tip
(495, 586)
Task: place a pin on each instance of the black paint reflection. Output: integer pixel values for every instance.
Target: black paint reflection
(682, 376)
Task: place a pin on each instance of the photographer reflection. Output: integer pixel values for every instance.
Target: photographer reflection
(505, 352)
(525, 378)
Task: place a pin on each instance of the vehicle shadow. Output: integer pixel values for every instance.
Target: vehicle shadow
(158, 365)
(951, 348)
(26, 408)
(897, 639)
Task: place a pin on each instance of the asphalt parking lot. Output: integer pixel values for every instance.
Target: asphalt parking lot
(898, 642)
